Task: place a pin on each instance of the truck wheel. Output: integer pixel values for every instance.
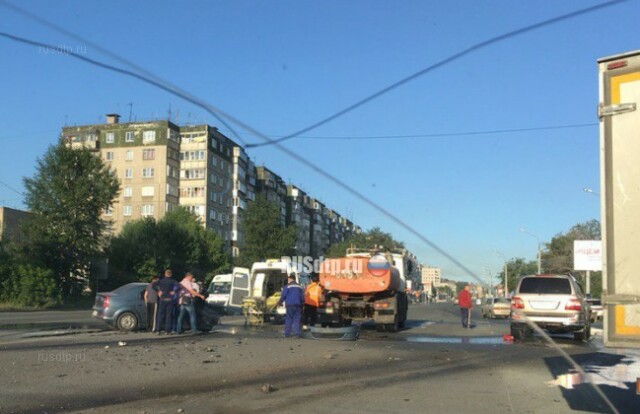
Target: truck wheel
(127, 322)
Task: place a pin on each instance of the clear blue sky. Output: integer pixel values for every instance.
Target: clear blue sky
(282, 65)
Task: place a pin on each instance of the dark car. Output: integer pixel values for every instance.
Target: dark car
(124, 309)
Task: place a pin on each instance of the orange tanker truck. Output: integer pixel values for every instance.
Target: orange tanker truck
(363, 286)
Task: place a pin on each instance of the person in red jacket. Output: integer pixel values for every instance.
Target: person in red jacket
(464, 301)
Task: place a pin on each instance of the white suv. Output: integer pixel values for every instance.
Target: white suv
(553, 302)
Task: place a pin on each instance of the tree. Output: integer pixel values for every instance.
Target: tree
(178, 241)
(557, 256)
(67, 196)
(374, 238)
(264, 236)
(518, 267)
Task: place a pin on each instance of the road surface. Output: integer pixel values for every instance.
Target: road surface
(432, 366)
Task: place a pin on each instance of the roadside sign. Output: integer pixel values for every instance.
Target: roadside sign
(587, 255)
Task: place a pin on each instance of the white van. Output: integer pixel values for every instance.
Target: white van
(264, 282)
(220, 290)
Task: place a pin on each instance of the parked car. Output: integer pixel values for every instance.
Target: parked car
(124, 309)
(553, 302)
(496, 307)
(596, 309)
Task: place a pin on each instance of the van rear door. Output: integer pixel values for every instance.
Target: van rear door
(240, 286)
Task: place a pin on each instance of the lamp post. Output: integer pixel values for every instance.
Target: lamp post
(506, 273)
(590, 191)
(539, 256)
(488, 271)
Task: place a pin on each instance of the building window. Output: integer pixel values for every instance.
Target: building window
(148, 136)
(128, 191)
(129, 155)
(193, 174)
(147, 172)
(108, 211)
(109, 155)
(126, 211)
(148, 191)
(149, 154)
(128, 137)
(110, 138)
(128, 173)
(147, 210)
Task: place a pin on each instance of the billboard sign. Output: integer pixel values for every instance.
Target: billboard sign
(587, 255)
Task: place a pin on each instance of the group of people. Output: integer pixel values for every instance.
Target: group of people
(301, 305)
(166, 298)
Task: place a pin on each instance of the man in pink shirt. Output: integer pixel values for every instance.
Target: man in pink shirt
(187, 304)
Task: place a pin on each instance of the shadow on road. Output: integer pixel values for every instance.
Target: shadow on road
(614, 374)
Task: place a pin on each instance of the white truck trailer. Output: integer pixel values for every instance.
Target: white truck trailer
(619, 82)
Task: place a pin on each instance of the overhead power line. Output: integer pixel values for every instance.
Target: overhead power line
(11, 188)
(444, 134)
(441, 63)
(218, 114)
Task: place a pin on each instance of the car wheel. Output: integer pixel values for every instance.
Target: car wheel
(127, 322)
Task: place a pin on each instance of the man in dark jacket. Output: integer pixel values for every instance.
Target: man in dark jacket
(167, 288)
(293, 298)
(464, 301)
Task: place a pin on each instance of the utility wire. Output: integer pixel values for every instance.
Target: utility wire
(150, 77)
(439, 64)
(217, 113)
(11, 188)
(443, 135)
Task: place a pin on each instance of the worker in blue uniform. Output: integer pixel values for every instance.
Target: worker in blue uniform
(293, 299)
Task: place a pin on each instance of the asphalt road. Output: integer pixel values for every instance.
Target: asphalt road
(434, 365)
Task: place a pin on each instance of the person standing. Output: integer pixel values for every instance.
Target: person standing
(187, 302)
(151, 300)
(293, 298)
(312, 299)
(166, 293)
(464, 301)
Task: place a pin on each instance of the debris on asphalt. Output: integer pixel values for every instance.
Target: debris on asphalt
(122, 343)
(106, 347)
(267, 388)
(330, 355)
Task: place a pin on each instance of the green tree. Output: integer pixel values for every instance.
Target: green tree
(67, 196)
(264, 236)
(178, 241)
(518, 267)
(374, 238)
(557, 256)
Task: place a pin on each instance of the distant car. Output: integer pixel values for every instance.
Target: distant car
(496, 307)
(596, 309)
(553, 302)
(125, 310)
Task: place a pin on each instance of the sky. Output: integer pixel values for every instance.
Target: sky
(280, 66)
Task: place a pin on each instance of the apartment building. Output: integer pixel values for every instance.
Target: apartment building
(146, 159)
(161, 165)
(206, 176)
(274, 189)
(10, 221)
(431, 277)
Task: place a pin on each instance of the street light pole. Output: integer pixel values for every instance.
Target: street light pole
(506, 273)
(539, 252)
